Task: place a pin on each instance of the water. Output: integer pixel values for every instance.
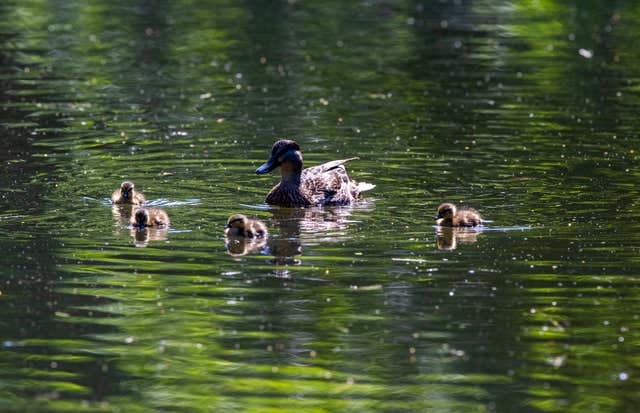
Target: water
(525, 111)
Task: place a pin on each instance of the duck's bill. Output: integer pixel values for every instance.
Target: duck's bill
(269, 166)
(437, 216)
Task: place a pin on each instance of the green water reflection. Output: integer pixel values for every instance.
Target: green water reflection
(524, 110)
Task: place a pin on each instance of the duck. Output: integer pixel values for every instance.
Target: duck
(239, 225)
(127, 194)
(450, 216)
(149, 217)
(326, 184)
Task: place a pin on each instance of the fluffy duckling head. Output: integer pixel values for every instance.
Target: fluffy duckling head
(126, 190)
(236, 223)
(141, 218)
(446, 211)
(286, 154)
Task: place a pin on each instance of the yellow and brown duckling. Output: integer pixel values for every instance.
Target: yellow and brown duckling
(326, 184)
(149, 217)
(239, 225)
(450, 216)
(127, 194)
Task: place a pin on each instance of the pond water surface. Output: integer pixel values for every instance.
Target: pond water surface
(526, 111)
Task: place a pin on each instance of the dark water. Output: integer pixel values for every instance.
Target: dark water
(527, 111)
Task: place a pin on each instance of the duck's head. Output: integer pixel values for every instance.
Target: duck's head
(126, 189)
(238, 221)
(286, 154)
(446, 211)
(141, 218)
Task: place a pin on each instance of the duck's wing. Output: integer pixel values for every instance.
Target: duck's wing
(330, 184)
(326, 167)
(469, 218)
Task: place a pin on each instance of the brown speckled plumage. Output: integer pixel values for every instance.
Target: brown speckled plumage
(239, 225)
(450, 216)
(149, 217)
(326, 184)
(127, 194)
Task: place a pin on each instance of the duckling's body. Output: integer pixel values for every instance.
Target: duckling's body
(450, 216)
(127, 194)
(239, 225)
(149, 217)
(326, 184)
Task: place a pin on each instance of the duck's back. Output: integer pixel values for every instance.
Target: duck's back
(256, 229)
(329, 183)
(467, 218)
(158, 217)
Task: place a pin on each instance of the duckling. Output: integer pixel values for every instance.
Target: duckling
(326, 184)
(449, 216)
(239, 225)
(126, 194)
(149, 217)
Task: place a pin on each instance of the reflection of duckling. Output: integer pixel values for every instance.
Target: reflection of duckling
(143, 236)
(447, 238)
(121, 212)
(326, 184)
(449, 216)
(239, 225)
(149, 217)
(126, 194)
(240, 245)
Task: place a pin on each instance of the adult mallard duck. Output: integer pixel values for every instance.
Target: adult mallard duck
(239, 225)
(450, 216)
(149, 217)
(127, 194)
(326, 184)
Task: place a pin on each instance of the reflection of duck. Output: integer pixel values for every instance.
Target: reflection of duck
(149, 217)
(286, 244)
(239, 225)
(447, 238)
(450, 216)
(142, 237)
(310, 226)
(326, 184)
(127, 194)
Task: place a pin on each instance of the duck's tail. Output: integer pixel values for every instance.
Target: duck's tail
(364, 186)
